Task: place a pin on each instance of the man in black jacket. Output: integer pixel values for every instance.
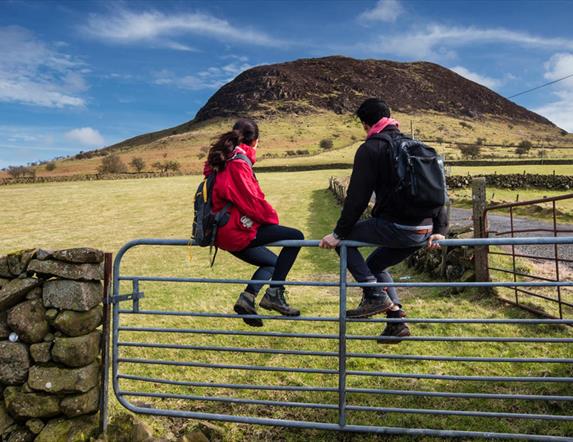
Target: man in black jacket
(400, 232)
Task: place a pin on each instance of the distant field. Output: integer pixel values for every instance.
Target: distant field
(559, 169)
(108, 214)
(283, 136)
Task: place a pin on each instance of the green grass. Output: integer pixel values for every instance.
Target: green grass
(108, 214)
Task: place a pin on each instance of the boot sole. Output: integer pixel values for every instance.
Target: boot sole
(383, 339)
(271, 308)
(381, 309)
(253, 322)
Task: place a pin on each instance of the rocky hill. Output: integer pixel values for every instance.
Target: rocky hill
(340, 84)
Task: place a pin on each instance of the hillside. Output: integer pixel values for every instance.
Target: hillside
(302, 102)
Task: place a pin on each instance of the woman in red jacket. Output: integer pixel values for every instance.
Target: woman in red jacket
(252, 223)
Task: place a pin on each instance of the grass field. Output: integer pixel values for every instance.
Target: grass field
(108, 214)
(284, 134)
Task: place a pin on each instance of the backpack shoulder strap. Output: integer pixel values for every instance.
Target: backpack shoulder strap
(242, 157)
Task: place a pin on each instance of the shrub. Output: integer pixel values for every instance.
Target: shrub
(166, 166)
(523, 147)
(112, 164)
(137, 163)
(470, 150)
(50, 165)
(20, 171)
(480, 141)
(326, 143)
(466, 125)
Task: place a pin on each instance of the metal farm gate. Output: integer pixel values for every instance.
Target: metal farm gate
(326, 372)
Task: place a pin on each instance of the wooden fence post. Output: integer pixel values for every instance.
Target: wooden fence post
(479, 204)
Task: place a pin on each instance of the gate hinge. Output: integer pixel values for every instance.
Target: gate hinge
(131, 297)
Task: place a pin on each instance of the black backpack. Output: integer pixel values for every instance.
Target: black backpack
(205, 221)
(419, 179)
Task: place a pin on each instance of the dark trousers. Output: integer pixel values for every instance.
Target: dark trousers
(269, 265)
(396, 245)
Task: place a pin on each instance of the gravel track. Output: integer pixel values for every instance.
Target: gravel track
(501, 223)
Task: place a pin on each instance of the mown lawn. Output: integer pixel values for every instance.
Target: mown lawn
(108, 214)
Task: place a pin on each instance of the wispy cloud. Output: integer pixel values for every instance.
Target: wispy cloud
(484, 80)
(37, 73)
(560, 111)
(440, 42)
(385, 11)
(211, 78)
(159, 29)
(85, 136)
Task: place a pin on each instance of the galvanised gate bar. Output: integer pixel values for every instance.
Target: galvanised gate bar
(139, 366)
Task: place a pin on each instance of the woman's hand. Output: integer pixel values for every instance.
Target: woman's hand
(432, 244)
(329, 242)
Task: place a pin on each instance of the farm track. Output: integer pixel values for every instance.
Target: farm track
(501, 223)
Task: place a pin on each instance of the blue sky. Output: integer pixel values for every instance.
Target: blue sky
(78, 75)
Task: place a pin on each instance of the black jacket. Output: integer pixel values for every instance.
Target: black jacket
(371, 172)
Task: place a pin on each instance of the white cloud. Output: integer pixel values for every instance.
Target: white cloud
(438, 42)
(158, 29)
(385, 10)
(85, 136)
(484, 80)
(35, 73)
(560, 111)
(211, 78)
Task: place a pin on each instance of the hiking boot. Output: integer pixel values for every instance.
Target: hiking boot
(372, 303)
(245, 305)
(274, 299)
(394, 330)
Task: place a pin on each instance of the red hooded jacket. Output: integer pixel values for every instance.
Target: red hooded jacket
(237, 184)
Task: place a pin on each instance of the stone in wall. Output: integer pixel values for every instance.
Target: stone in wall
(69, 430)
(81, 255)
(78, 351)
(28, 320)
(35, 425)
(5, 419)
(22, 404)
(18, 262)
(41, 352)
(15, 291)
(79, 323)
(64, 380)
(66, 270)
(14, 363)
(72, 295)
(4, 271)
(81, 404)
(4, 330)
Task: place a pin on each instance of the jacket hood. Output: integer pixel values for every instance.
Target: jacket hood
(245, 149)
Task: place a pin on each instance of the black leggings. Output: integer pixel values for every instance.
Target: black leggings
(269, 265)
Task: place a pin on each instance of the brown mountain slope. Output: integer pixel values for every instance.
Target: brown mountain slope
(339, 84)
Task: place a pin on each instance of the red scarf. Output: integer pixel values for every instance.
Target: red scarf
(380, 125)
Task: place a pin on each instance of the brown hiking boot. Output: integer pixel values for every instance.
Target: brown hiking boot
(372, 303)
(245, 305)
(274, 299)
(392, 333)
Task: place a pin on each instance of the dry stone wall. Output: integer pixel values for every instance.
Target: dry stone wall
(50, 311)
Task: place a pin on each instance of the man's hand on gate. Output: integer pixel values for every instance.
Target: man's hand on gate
(329, 242)
(432, 244)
